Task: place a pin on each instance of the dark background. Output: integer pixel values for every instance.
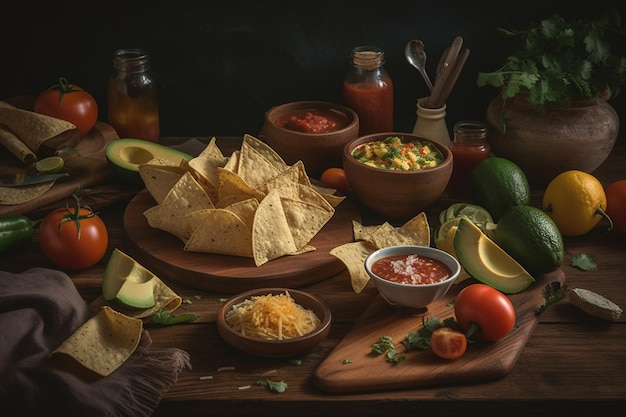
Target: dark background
(221, 64)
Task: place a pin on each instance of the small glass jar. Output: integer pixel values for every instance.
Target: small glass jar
(132, 96)
(469, 147)
(368, 90)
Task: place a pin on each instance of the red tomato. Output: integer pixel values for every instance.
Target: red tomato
(73, 241)
(448, 343)
(70, 103)
(336, 178)
(487, 307)
(616, 206)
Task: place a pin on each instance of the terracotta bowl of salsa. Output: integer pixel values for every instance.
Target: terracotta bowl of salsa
(412, 276)
(314, 132)
(298, 312)
(398, 190)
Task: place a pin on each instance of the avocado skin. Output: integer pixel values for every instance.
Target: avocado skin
(125, 155)
(467, 242)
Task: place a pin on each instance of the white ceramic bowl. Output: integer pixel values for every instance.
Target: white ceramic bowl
(414, 296)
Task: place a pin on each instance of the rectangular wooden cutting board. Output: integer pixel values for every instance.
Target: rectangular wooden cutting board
(351, 366)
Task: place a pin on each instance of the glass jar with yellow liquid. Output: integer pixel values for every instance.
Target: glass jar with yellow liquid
(132, 96)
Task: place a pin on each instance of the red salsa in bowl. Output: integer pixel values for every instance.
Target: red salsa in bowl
(412, 276)
(411, 269)
(313, 121)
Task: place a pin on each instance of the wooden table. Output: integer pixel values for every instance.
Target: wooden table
(573, 364)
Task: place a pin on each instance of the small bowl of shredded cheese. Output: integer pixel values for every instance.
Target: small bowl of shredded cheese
(274, 322)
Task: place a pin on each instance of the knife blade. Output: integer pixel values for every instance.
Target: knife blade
(20, 180)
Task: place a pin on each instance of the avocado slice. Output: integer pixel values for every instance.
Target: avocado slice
(487, 262)
(128, 282)
(125, 156)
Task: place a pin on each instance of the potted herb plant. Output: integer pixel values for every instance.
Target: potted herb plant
(552, 112)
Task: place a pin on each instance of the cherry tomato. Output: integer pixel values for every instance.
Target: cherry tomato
(448, 343)
(336, 178)
(486, 307)
(70, 103)
(73, 237)
(616, 206)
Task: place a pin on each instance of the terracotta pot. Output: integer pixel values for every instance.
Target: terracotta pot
(580, 136)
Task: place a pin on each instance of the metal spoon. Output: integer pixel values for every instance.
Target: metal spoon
(415, 54)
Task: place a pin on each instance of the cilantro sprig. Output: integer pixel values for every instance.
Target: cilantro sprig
(274, 386)
(164, 318)
(558, 59)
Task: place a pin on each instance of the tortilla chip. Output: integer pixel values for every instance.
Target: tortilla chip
(254, 168)
(416, 230)
(362, 232)
(305, 219)
(207, 162)
(268, 153)
(353, 256)
(32, 128)
(271, 236)
(245, 209)
(221, 232)
(233, 162)
(158, 181)
(104, 342)
(231, 183)
(185, 197)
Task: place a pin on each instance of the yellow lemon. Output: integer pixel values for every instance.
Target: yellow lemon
(575, 200)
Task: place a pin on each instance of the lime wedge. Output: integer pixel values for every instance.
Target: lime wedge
(442, 231)
(50, 165)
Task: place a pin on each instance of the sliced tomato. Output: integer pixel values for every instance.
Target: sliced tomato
(448, 343)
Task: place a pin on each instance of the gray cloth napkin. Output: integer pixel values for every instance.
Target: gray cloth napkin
(39, 309)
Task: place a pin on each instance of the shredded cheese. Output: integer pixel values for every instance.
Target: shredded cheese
(271, 316)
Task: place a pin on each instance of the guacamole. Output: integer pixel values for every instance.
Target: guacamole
(393, 153)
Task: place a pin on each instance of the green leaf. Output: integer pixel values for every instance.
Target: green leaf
(584, 262)
(274, 386)
(552, 294)
(164, 318)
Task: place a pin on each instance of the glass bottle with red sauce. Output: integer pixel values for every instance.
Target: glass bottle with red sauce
(469, 147)
(368, 90)
(132, 96)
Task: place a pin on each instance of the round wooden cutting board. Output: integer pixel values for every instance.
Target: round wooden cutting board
(163, 254)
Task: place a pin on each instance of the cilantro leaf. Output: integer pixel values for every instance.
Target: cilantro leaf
(385, 346)
(164, 318)
(552, 294)
(274, 386)
(584, 262)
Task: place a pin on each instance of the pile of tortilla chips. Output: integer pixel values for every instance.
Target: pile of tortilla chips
(251, 204)
(371, 238)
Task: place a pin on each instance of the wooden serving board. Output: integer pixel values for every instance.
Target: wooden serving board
(482, 361)
(163, 254)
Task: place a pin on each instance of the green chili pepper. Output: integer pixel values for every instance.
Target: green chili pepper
(15, 231)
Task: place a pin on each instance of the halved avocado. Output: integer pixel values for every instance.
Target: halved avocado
(487, 262)
(125, 156)
(128, 282)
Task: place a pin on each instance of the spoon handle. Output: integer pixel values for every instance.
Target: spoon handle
(446, 67)
(452, 78)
